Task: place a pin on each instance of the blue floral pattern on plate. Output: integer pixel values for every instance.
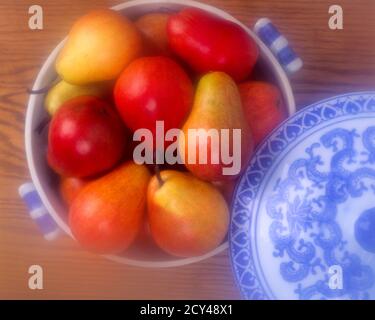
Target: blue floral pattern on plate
(306, 205)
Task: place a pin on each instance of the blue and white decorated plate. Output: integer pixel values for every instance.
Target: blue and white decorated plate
(303, 218)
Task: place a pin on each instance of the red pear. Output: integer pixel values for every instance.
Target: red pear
(209, 43)
(263, 107)
(153, 27)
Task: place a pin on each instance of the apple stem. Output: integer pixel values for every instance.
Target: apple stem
(158, 176)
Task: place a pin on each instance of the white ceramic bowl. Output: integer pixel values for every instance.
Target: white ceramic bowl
(45, 181)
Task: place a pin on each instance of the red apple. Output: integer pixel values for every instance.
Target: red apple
(151, 89)
(86, 137)
(210, 43)
(263, 107)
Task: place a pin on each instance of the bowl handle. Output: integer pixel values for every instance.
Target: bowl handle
(38, 211)
(278, 44)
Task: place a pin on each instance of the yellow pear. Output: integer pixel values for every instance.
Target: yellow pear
(99, 46)
(222, 134)
(187, 216)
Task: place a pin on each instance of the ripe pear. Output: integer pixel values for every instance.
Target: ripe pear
(64, 91)
(70, 187)
(108, 213)
(99, 46)
(217, 106)
(227, 189)
(153, 27)
(263, 107)
(187, 216)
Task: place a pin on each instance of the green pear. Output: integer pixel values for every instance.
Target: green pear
(64, 91)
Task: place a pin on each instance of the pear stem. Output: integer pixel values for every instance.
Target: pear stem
(158, 176)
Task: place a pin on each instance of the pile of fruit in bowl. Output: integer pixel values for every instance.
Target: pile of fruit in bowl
(189, 70)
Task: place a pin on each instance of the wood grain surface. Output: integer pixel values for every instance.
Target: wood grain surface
(334, 62)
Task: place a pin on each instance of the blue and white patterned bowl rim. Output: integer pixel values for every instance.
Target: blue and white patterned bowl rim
(328, 109)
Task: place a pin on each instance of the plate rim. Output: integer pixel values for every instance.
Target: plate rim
(251, 162)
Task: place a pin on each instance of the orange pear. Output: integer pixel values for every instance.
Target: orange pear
(108, 213)
(99, 46)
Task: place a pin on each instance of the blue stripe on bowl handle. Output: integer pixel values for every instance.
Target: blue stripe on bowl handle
(38, 211)
(278, 44)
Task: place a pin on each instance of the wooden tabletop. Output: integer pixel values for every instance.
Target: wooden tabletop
(334, 62)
